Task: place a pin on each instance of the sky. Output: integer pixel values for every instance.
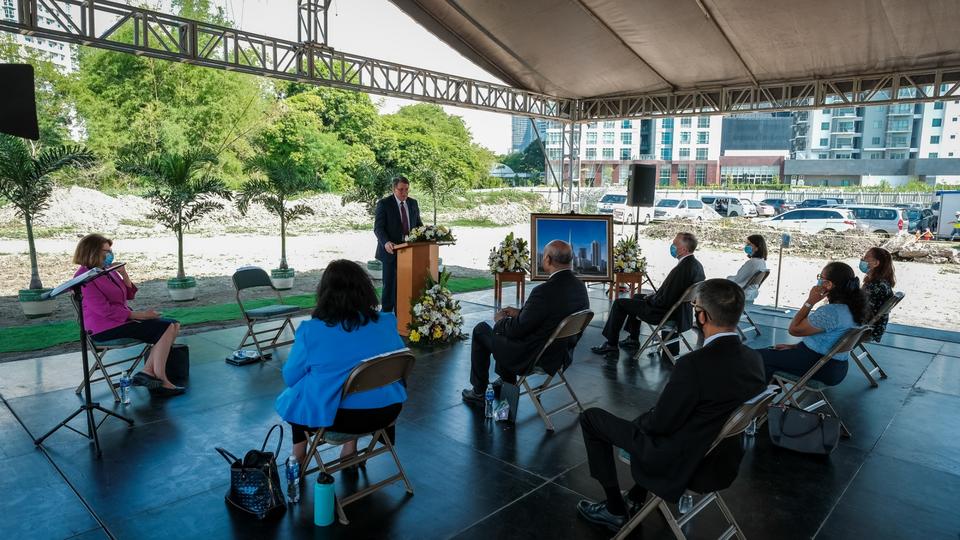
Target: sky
(378, 29)
(582, 232)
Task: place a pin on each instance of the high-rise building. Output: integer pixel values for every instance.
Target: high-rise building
(595, 253)
(522, 132)
(63, 55)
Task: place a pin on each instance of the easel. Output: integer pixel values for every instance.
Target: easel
(76, 285)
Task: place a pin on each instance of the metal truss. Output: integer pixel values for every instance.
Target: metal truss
(904, 87)
(119, 27)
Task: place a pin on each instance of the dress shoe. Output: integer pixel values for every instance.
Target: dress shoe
(470, 396)
(597, 513)
(605, 349)
(632, 506)
(163, 391)
(630, 343)
(148, 381)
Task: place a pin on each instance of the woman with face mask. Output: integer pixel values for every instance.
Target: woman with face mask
(820, 329)
(878, 285)
(107, 316)
(756, 250)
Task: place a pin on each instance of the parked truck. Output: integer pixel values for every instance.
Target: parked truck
(948, 207)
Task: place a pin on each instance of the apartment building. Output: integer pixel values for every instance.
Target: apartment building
(63, 55)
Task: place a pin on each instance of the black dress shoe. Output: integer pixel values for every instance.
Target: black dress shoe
(163, 391)
(630, 343)
(598, 514)
(605, 349)
(470, 396)
(149, 381)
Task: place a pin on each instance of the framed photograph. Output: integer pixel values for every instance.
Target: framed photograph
(591, 236)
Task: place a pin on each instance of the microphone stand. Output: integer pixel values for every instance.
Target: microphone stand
(88, 405)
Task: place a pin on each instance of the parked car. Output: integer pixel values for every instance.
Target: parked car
(913, 218)
(883, 220)
(693, 209)
(814, 220)
(928, 220)
(628, 214)
(764, 209)
(818, 203)
(749, 208)
(780, 205)
(610, 201)
(725, 206)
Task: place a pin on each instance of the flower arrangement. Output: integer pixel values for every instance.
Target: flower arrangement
(512, 255)
(627, 256)
(436, 315)
(430, 233)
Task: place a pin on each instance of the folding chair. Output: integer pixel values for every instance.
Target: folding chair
(757, 279)
(794, 387)
(99, 349)
(735, 425)
(250, 277)
(369, 375)
(570, 326)
(860, 352)
(669, 326)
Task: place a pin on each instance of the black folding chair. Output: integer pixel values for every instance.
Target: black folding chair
(860, 352)
(756, 279)
(735, 425)
(252, 277)
(572, 325)
(669, 327)
(369, 375)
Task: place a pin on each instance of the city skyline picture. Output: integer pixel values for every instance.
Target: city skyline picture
(589, 235)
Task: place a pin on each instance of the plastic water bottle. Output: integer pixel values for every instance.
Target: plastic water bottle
(488, 402)
(686, 503)
(324, 496)
(125, 383)
(751, 428)
(293, 480)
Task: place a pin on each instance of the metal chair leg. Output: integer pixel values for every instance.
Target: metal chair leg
(570, 389)
(396, 459)
(637, 519)
(866, 372)
(535, 397)
(738, 532)
(671, 521)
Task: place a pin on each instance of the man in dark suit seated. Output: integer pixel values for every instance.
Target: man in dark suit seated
(667, 443)
(395, 215)
(518, 334)
(651, 308)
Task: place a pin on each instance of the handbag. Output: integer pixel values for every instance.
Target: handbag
(255, 487)
(178, 364)
(802, 431)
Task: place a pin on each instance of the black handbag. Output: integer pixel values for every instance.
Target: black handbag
(802, 431)
(178, 364)
(255, 487)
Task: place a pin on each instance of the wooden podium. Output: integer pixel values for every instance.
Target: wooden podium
(415, 261)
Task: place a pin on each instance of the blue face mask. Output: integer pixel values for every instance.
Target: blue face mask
(748, 249)
(108, 260)
(673, 251)
(864, 267)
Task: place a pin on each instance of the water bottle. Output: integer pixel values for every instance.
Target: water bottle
(751, 428)
(488, 402)
(324, 495)
(125, 383)
(293, 480)
(686, 503)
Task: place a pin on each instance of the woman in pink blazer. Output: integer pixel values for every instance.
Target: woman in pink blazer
(107, 316)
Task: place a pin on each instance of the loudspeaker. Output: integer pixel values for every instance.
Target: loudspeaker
(643, 185)
(18, 104)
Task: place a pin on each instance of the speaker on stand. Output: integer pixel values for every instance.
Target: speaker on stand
(18, 105)
(641, 190)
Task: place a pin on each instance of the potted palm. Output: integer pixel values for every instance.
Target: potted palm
(183, 190)
(279, 179)
(25, 180)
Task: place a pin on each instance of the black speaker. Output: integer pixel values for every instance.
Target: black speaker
(18, 104)
(643, 185)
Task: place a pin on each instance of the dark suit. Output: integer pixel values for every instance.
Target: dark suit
(667, 443)
(514, 341)
(388, 227)
(652, 308)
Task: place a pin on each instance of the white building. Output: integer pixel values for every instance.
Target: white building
(63, 55)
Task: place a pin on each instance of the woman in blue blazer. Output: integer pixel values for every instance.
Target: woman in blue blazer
(345, 330)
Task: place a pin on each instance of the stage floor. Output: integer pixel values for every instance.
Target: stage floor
(897, 477)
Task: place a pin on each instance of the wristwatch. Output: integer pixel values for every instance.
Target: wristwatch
(808, 305)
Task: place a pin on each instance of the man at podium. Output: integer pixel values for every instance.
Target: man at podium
(395, 216)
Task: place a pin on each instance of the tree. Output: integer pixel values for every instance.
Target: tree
(52, 88)
(280, 180)
(181, 187)
(438, 183)
(371, 182)
(530, 160)
(25, 180)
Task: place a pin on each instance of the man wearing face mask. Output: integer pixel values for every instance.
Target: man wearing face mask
(653, 307)
(667, 443)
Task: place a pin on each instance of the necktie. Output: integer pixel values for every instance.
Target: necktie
(403, 218)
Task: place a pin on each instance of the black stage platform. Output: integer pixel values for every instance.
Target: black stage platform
(897, 477)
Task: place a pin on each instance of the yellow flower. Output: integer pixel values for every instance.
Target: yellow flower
(437, 332)
(414, 336)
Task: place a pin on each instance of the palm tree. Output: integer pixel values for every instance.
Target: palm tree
(182, 188)
(25, 181)
(279, 179)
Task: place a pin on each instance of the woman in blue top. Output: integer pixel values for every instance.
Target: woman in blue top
(345, 330)
(821, 329)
